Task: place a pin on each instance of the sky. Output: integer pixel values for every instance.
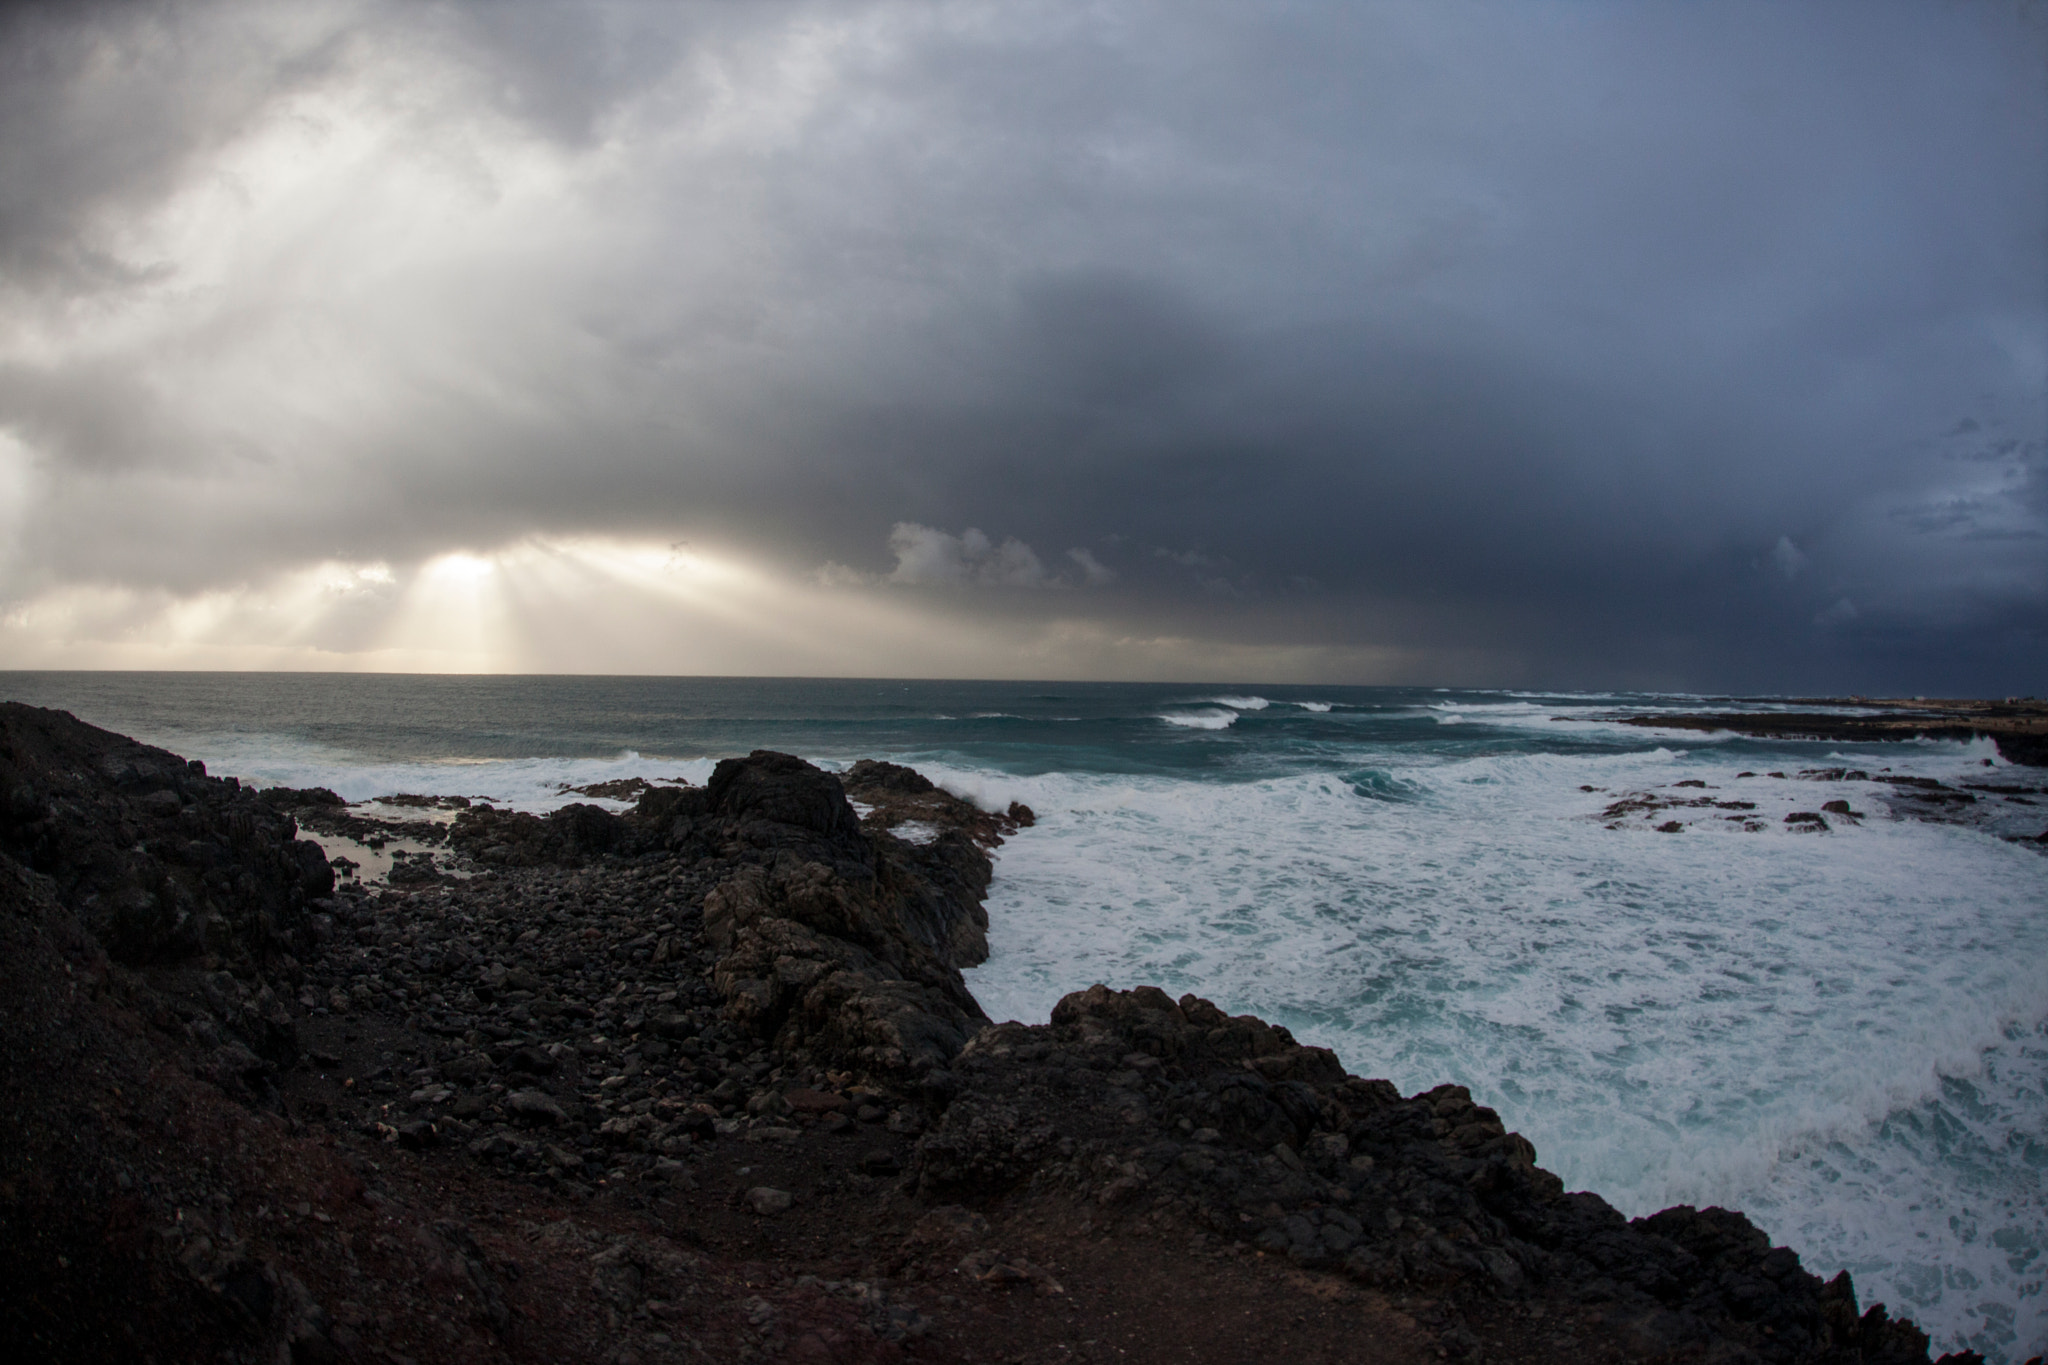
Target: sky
(1625, 344)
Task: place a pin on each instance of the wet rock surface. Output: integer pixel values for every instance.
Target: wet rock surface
(1999, 805)
(699, 1080)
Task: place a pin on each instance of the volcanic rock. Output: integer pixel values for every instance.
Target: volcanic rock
(578, 1101)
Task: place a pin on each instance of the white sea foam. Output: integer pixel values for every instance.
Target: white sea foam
(1839, 1033)
(1525, 715)
(1316, 706)
(1241, 703)
(1200, 720)
(1491, 713)
(1540, 719)
(530, 784)
(989, 791)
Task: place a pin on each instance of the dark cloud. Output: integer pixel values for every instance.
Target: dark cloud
(1685, 346)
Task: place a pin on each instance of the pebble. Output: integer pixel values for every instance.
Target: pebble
(767, 1201)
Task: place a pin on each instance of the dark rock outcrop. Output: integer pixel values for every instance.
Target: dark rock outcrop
(1138, 1102)
(769, 794)
(832, 936)
(896, 796)
(566, 837)
(834, 941)
(159, 860)
(732, 1004)
(2029, 750)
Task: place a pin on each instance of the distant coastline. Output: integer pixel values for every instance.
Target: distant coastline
(2017, 725)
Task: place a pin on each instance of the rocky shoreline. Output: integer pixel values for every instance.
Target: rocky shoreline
(2017, 725)
(703, 1081)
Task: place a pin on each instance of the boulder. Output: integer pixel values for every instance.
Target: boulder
(829, 942)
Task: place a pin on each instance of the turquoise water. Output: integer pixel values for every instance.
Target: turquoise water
(1013, 727)
(1844, 1034)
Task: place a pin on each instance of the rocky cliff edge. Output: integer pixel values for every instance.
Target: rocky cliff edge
(703, 1080)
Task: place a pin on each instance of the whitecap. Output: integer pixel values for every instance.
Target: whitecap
(992, 792)
(1200, 720)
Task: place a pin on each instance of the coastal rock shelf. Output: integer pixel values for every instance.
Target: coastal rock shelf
(2018, 726)
(700, 1080)
(1816, 800)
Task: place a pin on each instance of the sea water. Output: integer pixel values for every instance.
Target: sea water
(1842, 1033)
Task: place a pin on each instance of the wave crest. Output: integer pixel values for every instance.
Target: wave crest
(1200, 720)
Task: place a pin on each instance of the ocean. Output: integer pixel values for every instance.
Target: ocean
(1842, 1033)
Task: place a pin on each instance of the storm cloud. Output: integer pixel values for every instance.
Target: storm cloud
(1606, 344)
